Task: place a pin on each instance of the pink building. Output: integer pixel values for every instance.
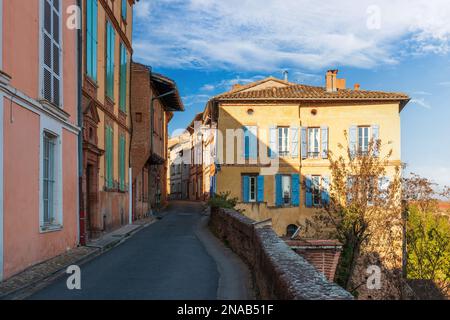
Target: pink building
(39, 133)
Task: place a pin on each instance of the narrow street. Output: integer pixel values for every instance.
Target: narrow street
(174, 258)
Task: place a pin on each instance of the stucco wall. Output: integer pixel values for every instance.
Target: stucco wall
(278, 271)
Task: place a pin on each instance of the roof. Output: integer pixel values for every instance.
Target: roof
(301, 92)
(163, 85)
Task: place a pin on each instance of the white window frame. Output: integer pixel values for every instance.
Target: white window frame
(42, 32)
(285, 178)
(52, 127)
(252, 180)
(283, 137)
(364, 147)
(312, 151)
(319, 184)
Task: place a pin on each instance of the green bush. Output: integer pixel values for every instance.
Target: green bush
(223, 200)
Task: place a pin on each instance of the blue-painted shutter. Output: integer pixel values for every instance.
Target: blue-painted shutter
(324, 142)
(278, 191)
(304, 145)
(124, 10)
(326, 190)
(375, 137)
(123, 78)
(245, 188)
(295, 190)
(246, 146)
(273, 146)
(89, 38)
(260, 183)
(352, 136)
(94, 39)
(294, 141)
(308, 192)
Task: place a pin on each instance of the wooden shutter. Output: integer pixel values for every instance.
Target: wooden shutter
(295, 190)
(245, 188)
(123, 78)
(375, 137)
(308, 192)
(304, 145)
(260, 186)
(294, 142)
(324, 136)
(273, 146)
(325, 190)
(352, 137)
(278, 190)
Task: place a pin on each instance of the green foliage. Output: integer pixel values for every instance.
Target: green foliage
(428, 238)
(223, 200)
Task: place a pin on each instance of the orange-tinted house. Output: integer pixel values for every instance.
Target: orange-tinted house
(39, 133)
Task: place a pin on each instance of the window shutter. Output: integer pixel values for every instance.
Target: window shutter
(89, 36)
(122, 162)
(253, 137)
(383, 186)
(294, 142)
(260, 185)
(295, 190)
(124, 9)
(308, 192)
(278, 190)
(246, 146)
(375, 137)
(324, 142)
(110, 37)
(94, 39)
(273, 147)
(123, 77)
(326, 190)
(245, 188)
(304, 145)
(352, 135)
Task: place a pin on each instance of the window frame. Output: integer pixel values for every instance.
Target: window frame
(316, 192)
(313, 154)
(283, 179)
(254, 179)
(282, 138)
(364, 139)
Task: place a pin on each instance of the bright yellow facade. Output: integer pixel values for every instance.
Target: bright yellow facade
(269, 105)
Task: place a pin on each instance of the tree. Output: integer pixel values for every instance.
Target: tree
(428, 232)
(364, 211)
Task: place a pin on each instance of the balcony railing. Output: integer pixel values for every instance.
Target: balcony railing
(313, 154)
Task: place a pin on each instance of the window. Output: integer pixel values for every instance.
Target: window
(253, 188)
(283, 141)
(291, 230)
(313, 143)
(49, 178)
(124, 10)
(123, 78)
(315, 190)
(363, 140)
(122, 145)
(110, 41)
(286, 189)
(91, 38)
(52, 49)
(109, 157)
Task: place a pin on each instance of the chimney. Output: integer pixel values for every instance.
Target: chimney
(286, 75)
(330, 80)
(357, 87)
(334, 84)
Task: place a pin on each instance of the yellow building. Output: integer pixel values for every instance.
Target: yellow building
(280, 167)
(106, 55)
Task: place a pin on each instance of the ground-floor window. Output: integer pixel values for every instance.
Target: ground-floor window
(49, 156)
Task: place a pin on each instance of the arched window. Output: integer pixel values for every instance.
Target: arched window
(291, 229)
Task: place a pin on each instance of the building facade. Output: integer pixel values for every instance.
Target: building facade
(39, 130)
(279, 168)
(107, 51)
(154, 98)
(179, 168)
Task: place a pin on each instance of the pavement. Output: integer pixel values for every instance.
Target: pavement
(175, 258)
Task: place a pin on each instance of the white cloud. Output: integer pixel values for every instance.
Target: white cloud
(421, 102)
(305, 34)
(444, 83)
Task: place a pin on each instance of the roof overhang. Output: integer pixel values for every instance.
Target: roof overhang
(163, 85)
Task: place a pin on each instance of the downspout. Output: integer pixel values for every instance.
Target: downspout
(130, 171)
(81, 212)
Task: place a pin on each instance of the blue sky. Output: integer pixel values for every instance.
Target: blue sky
(206, 46)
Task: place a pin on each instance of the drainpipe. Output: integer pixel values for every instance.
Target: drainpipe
(130, 170)
(81, 213)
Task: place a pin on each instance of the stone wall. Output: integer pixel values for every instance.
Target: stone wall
(278, 271)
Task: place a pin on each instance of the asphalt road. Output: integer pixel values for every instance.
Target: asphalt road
(174, 258)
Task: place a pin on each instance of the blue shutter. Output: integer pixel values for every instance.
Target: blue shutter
(308, 192)
(295, 190)
(294, 142)
(94, 33)
(352, 135)
(124, 10)
(375, 137)
(246, 145)
(245, 188)
(326, 190)
(278, 191)
(260, 184)
(273, 146)
(304, 145)
(324, 142)
(89, 25)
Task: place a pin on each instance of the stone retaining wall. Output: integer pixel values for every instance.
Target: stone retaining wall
(279, 272)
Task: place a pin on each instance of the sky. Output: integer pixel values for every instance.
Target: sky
(206, 46)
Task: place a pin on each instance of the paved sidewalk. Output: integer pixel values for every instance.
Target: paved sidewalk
(12, 288)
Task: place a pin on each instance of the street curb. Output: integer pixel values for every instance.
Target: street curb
(31, 288)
